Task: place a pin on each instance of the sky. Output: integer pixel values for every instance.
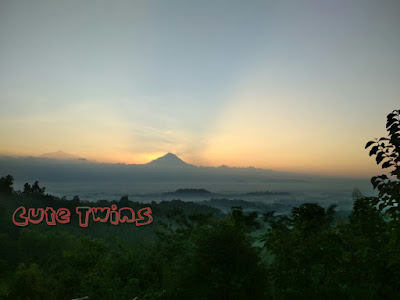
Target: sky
(286, 85)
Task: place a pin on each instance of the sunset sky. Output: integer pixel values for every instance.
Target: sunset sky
(285, 85)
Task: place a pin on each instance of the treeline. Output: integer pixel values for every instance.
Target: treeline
(192, 251)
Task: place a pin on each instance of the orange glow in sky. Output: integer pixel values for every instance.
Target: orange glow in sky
(285, 85)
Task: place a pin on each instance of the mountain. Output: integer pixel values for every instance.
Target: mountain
(169, 160)
(61, 172)
(60, 155)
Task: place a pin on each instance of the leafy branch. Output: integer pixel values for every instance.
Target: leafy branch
(387, 152)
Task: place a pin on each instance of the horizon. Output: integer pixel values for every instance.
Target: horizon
(72, 158)
(293, 87)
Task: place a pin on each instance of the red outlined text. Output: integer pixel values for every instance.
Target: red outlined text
(86, 214)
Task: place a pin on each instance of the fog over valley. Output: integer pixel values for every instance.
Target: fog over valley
(66, 175)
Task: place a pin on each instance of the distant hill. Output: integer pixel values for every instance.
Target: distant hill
(266, 193)
(225, 203)
(62, 172)
(169, 160)
(188, 192)
(61, 155)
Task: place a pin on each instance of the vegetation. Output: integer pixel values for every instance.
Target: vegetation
(387, 152)
(192, 251)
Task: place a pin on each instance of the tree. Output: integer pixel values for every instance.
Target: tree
(387, 152)
(311, 216)
(34, 190)
(305, 251)
(6, 184)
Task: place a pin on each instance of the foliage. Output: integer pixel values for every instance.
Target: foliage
(387, 152)
(304, 247)
(34, 190)
(6, 185)
(211, 258)
(193, 252)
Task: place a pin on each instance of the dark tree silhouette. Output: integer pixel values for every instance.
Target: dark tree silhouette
(6, 184)
(34, 190)
(387, 152)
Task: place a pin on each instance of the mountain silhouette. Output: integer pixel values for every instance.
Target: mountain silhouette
(169, 160)
(60, 155)
(166, 173)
